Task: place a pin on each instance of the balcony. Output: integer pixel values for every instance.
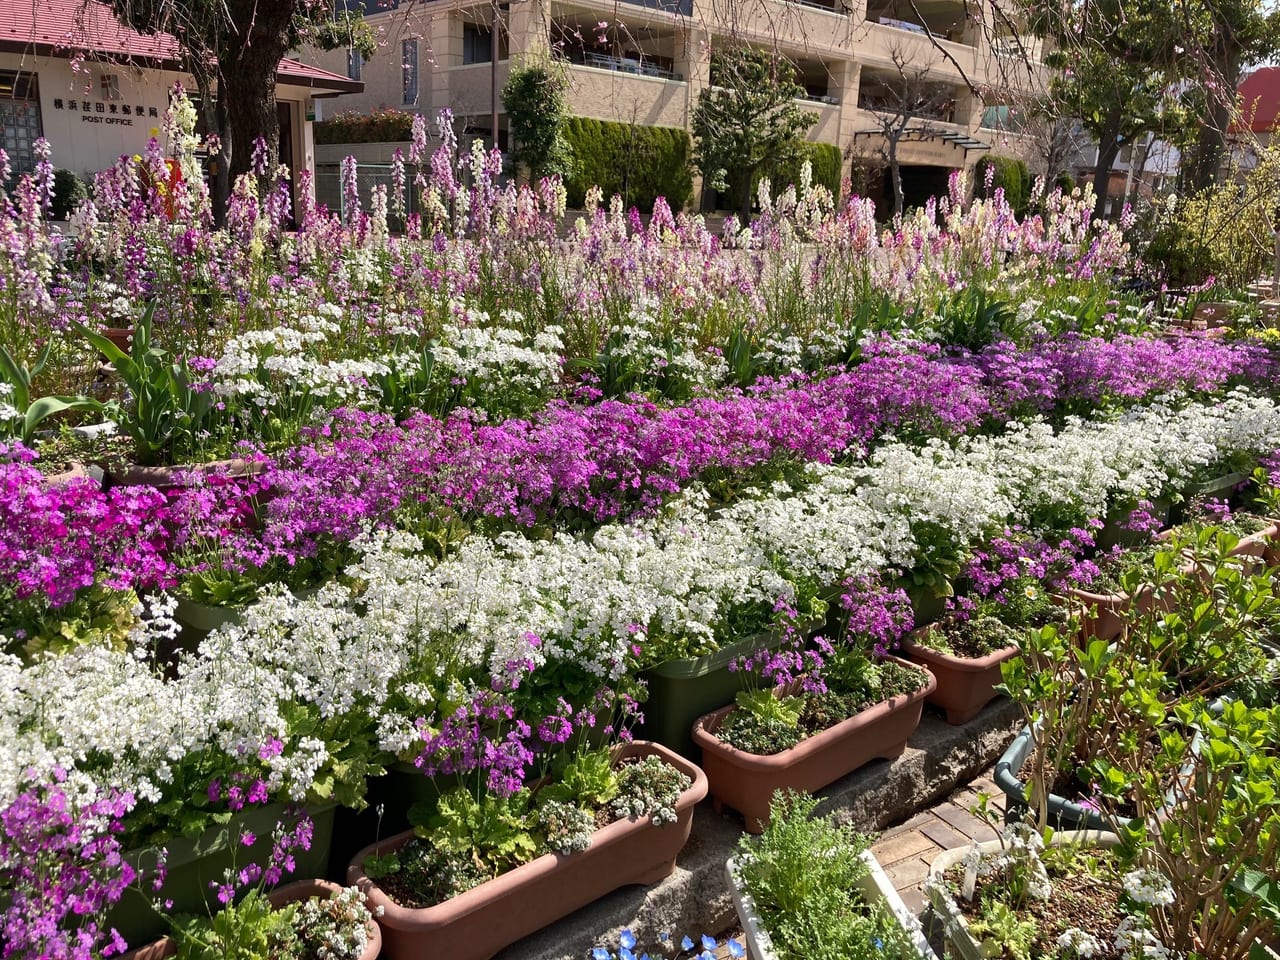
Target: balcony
(643, 68)
(656, 98)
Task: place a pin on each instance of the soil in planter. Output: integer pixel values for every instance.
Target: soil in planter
(59, 453)
(428, 871)
(970, 639)
(1087, 900)
(751, 733)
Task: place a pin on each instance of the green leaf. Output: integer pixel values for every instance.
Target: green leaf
(46, 407)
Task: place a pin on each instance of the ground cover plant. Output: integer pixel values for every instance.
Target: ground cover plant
(478, 477)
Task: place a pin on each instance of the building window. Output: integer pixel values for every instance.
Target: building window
(409, 70)
(354, 63)
(477, 45)
(110, 86)
(20, 123)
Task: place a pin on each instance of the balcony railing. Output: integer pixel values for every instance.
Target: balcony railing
(837, 6)
(641, 68)
(820, 98)
(904, 25)
(682, 7)
(943, 112)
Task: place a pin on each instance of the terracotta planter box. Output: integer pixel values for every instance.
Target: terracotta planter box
(680, 691)
(1259, 547)
(965, 685)
(747, 781)
(172, 477)
(291, 893)
(1103, 615)
(477, 924)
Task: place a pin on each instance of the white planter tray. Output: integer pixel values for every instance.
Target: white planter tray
(953, 921)
(876, 888)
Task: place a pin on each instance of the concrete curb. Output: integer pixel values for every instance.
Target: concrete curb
(695, 898)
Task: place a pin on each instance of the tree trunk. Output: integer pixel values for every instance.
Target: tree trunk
(745, 211)
(247, 67)
(1210, 146)
(895, 179)
(221, 191)
(1108, 150)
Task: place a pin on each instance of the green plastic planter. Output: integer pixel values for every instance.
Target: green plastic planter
(1114, 533)
(193, 862)
(681, 691)
(927, 606)
(1217, 488)
(204, 618)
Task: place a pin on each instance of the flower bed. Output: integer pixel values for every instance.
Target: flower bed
(521, 471)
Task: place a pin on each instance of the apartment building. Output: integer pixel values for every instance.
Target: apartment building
(861, 62)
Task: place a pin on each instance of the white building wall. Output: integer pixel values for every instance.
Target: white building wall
(88, 140)
(92, 137)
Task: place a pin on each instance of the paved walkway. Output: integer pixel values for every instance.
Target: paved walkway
(907, 850)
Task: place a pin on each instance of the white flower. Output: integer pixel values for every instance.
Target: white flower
(1134, 941)
(1079, 943)
(1148, 887)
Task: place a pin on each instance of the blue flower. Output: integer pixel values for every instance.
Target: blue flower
(664, 937)
(625, 954)
(627, 940)
(736, 949)
(708, 943)
(686, 944)
(600, 953)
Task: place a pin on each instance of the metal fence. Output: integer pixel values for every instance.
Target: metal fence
(368, 176)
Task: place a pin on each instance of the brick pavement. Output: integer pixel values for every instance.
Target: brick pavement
(907, 850)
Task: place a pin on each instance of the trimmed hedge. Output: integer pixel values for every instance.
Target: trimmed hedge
(827, 164)
(1011, 174)
(68, 191)
(381, 126)
(828, 170)
(650, 162)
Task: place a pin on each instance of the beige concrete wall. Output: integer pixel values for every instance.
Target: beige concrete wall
(610, 95)
(827, 127)
(877, 45)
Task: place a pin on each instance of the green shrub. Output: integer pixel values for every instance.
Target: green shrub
(1010, 174)
(381, 126)
(68, 191)
(534, 98)
(638, 163)
(1064, 182)
(827, 163)
(1224, 231)
(824, 158)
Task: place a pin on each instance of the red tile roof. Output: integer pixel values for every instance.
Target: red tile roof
(1260, 99)
(69, 27)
